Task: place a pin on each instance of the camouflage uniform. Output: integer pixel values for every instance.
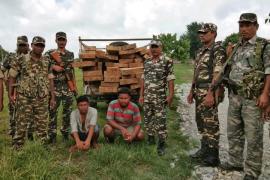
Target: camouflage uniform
(6, 66)
(32, 94)
(244, 116)
(62, 92)
(156, 75)
(209, 61)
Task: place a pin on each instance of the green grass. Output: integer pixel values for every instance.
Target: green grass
(111, 161)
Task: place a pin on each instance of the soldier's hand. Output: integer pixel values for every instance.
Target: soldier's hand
(266, 113)
(190, 98)
(169, 100)
(229, 49)
(263, 101)
(52, 103)
(209, 100)
(57, 68)
(12, 100)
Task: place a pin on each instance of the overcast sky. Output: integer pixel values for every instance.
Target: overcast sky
(120, 18)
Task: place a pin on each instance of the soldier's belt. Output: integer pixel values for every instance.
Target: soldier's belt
(202, 85)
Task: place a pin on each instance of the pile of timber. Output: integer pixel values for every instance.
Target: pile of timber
(117, 66)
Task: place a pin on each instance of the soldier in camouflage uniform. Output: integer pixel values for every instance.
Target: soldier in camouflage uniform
(158, 72)
(249, 86)
(35, 81)
(208, 63)
(22, 48)
(62, 91)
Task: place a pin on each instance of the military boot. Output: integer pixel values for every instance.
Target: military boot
(201, 152)
(52, 139)
(30, 136)
(249, 177)
(151, 140)
(65, 137)
(212, 158)
(161, 147)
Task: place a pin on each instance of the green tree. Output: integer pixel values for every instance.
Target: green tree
(176, 48)
(233, 38)
(3, 53)
(192, 33)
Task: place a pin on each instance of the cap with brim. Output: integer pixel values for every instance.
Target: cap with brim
(155, 42)
(38, 40)
(61, 35)
(248, 17)
(22, 40)
(206, 27)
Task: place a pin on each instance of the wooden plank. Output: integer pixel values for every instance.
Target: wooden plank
(93, 78)
(128, 81)
(80, 64)
(100, 54)
(92, 73)
(127, 52)
(128, 76)
(128, 71)
(135, 86)
(146, 56)
(113, 49)
(106, 89)
(121, 65)
(126, 61)
(138, 59)
(87, 55)
(113, 70)
(110, 64)
(140, 49)
(112, 73)
(109, 84)
(129, 56)
(138, 64)
(111, 57)
(89, 48)
(143, 52)
(139, 76)
(128, 47)
(110, 78)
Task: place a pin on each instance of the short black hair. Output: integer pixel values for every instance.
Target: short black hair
(82, 98)
(123, 90)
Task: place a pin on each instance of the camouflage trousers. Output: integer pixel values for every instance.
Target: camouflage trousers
(67, 102)
(12, 122)
(244, 124)
(30, 109)
(155, 119)
(207, 122)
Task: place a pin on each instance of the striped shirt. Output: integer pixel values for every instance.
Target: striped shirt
(130, 116)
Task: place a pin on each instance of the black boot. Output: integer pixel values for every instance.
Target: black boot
(212, 158)
(52, 139)
(201, 152)
(65, 137)
(249, 177)
(151, 140)
(161, 147)
(30, 136)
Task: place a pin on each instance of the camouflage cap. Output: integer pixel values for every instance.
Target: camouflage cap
(38, 40)
(22, 40)
(248, 17)
(208, 27)
(61, 35)
(155, 42)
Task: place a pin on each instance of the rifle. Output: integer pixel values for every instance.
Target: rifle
(221, 75)
(69, 73)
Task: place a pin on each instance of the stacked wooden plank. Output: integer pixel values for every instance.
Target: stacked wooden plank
(116, 67)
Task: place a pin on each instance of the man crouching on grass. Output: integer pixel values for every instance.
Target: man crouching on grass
(123, 118)
(84, 129)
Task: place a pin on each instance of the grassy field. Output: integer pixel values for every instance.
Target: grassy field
(111, 161)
